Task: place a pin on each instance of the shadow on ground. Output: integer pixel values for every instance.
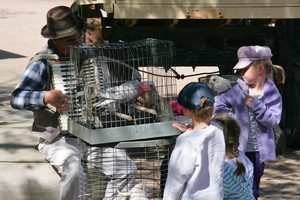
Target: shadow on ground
(281, 179)
(33, 185)
(6, 54)
(5, 93)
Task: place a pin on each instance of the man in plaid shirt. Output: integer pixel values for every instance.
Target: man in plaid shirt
(64, 151)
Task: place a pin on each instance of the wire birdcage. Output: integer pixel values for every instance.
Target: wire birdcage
(123, 86)
(120, 107)
(151, 160)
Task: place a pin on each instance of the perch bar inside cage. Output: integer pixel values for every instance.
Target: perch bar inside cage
(148, 110)
(121, 115)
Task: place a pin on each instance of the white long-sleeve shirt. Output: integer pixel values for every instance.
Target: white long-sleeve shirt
(196, 166)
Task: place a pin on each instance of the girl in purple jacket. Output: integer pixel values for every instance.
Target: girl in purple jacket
(257, 104)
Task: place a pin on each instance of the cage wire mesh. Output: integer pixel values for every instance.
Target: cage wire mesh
(121, 92)
(121, 84)
(150, 165)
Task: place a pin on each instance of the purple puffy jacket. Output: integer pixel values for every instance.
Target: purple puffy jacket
(267, 115)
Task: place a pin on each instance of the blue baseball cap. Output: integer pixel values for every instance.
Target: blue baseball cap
(191, 94)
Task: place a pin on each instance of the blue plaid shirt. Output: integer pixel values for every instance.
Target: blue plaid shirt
(30, 91)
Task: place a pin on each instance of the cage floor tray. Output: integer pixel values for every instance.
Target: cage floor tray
(123, 133)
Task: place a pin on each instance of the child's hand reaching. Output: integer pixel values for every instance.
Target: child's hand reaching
(182, 128)
(249, 100)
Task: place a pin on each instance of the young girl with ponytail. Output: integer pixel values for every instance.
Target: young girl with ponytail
(256, 103)
(238, 169)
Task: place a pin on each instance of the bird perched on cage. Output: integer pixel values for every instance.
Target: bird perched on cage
(123, 93)
(138, 192)
(220, 84)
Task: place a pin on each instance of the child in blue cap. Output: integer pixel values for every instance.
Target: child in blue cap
(196, 165)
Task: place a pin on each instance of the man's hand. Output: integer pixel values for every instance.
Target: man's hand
(249, 100)
(57, 99)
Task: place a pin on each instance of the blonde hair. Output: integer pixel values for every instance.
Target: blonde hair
(231, 130)
(207, 110)
(274, 72)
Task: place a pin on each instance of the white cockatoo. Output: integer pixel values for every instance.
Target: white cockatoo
(138, 192)
(123, 93)
(220, 84)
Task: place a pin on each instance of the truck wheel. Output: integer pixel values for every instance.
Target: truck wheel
(280, 142)
(293, 139)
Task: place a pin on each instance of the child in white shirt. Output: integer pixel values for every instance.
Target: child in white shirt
(196, 165)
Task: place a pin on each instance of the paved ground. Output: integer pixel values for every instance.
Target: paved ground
(24, 175)
(282, 179)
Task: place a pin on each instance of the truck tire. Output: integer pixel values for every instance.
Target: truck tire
(280, 142)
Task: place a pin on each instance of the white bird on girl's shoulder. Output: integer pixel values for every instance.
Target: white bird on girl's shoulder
(220, 84)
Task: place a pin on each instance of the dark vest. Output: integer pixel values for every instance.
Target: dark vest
(45, 124)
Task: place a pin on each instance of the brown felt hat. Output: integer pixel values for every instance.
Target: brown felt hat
(61, 22)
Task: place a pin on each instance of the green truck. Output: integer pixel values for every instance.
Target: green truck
(209, 33)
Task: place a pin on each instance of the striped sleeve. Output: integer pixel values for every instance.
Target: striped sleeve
(236, 187)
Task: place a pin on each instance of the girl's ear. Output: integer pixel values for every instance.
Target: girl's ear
(261, 68)
(188, 112)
